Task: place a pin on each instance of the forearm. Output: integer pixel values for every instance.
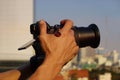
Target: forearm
(10, 75)
(26, 71)
(22, 73)
(47, 71)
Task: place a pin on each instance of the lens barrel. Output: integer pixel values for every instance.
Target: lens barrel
(87, 36)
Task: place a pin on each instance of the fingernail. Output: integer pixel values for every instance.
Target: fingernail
(57, 34)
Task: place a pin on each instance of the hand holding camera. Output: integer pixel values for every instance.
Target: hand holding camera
(44, 36)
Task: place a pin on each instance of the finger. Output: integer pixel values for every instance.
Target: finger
(73, 53)
(67, 25)
(43, 28)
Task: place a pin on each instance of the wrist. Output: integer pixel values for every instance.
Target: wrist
(50, 67)
(53, 59)
(52, 62)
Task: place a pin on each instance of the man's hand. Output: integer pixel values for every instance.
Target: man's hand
(61, 49)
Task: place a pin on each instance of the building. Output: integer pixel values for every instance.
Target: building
(106, 76)
(100, 59)
(15, 18)
(79, 74)
(85, 53)
(82, 55)
(115, 56)
(119, 63)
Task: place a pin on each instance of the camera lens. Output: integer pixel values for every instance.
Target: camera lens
(87, 36)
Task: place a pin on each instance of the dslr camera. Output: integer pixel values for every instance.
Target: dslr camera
(84, 36)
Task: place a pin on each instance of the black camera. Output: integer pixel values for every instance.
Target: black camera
(84, 36)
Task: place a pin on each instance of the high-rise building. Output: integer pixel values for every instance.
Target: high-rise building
(82, 54)
(114, 55)
(85, 53)
(15, 18)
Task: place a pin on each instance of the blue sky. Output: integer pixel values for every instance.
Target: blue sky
(104, 13)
